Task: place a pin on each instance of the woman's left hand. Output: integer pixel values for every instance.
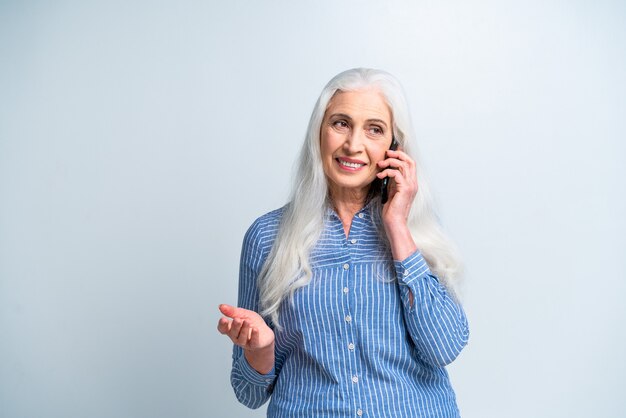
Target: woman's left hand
(402, 190)
(402, 187)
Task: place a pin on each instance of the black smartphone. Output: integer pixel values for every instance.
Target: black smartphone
(384, 187)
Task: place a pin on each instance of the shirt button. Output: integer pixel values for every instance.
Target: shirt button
(346, 266)
(359, 412)
(346, 290)
(351, 347)
(406, 272)
(353, 241)
(348, 318)
(361, 215)
(355, 379)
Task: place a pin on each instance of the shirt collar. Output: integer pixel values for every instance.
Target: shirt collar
(365, 210)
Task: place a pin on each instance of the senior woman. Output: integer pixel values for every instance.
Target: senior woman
(346, 303)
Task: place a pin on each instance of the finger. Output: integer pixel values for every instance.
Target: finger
(394, 163)
(392, 173)
(244, 334)
(232, 311)
(223, 325)
(399, 154)
(235, 328)
(255, 338)
(404, 157)
(407, 169)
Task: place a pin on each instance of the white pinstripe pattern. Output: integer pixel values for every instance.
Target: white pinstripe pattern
(386, 360)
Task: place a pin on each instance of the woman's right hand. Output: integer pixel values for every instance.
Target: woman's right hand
(248, 330)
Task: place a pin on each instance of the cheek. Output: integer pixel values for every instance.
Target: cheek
(378, 153)
(325, 150)
(328, 144)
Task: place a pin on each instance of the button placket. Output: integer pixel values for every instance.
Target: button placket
(352, 368)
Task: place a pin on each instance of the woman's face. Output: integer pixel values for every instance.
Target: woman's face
(355, 134)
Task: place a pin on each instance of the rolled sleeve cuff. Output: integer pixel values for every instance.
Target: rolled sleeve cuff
(252, 376)
(411, 268)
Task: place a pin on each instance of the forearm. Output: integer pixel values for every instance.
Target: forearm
(400, 239)
(435, 321)
(252, 388)
(437, 325)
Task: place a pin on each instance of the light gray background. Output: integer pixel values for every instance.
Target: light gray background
(138, 140)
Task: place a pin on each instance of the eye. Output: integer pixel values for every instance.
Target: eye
(375, 130)
(340, 125)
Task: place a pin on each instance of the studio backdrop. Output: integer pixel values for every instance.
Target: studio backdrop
(139, 140)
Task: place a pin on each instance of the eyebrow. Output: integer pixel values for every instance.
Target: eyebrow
(382, 122)
(343, 115)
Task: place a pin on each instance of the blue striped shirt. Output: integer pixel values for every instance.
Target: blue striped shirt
(352, 345)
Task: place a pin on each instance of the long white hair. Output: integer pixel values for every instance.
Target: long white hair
(287, 267)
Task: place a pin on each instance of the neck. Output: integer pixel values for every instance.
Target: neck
(347, 203)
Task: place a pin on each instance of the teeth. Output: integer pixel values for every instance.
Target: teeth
(351, 165)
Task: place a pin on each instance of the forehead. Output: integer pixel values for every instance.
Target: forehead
(361, 104)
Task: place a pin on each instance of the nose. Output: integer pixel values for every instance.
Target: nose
(354, 142)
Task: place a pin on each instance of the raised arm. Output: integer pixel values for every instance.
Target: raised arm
(436, 322)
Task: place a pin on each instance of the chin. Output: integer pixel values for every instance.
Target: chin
(352, 186)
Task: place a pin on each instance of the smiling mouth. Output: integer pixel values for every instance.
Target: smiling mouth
(349, 164)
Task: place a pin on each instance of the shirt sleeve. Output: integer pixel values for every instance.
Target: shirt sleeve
(436, 322)
(251, 388)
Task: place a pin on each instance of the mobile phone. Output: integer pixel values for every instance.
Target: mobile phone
(384, 186)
